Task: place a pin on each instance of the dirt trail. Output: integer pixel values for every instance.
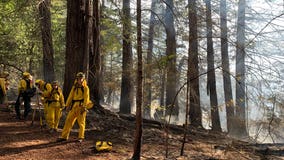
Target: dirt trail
(20, 140)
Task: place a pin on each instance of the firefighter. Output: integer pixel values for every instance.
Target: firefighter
(44, 90)
(55, 105)
(3, 87)
(76, 104)
(26, 91)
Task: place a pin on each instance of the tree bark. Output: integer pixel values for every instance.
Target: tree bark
(75, 57)
(240, 72)
(48, 51)
(148, 67)
(95, 59)
(172, 107)
(195, 109)
(211, 77)
(139, 94)
(126, 96)
(226, 68)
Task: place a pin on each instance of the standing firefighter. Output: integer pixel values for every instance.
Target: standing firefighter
(77, 104)
(55, 104)
(45, 90)
(3, 87)
(26, 90)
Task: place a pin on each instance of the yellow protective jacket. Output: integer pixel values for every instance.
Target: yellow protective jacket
(46, 89)
(3, 85)
(79, 93)
(23, 85)
(56, 95)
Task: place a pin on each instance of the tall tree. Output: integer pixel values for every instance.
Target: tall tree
(148, 67)
(195, 109)
(76, 40)
(126, 96)
(139, 93)
(211, 77)
(95, 56)
(226, 67)
(47, 45)
(171, 76)
(240, 72)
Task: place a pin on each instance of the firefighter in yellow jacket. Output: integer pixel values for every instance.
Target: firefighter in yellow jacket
(77, 102)
(26, 90)
(45, 90)
(55, 104)
(3, 87)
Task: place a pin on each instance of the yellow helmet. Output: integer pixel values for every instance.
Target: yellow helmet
(80, 75)
(26, 75)
(38, 81)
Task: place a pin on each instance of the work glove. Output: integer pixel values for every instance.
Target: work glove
(83, 109)
(62, 107)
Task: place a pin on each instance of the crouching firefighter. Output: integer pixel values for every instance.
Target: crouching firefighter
(77, 104)
(45, 92)
(55, 104)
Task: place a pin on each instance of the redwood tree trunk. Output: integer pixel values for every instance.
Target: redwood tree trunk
(148, 67)
(211, 77)
(95, 59)
(75, 57)
(195, 109)
(139, 93)
(172, 107)
(48, 51)
(126, 96)
(240, 72)
(226, 68)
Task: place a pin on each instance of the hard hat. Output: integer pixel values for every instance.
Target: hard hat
(26, 75)
(80, 75)
(38, 81)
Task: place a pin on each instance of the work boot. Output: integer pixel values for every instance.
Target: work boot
(80, 140)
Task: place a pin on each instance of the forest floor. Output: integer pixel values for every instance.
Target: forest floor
(21, 140)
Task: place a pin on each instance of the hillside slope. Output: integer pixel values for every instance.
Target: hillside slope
(21, 140)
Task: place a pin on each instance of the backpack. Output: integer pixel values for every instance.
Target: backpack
(103, 146)
(29, 92)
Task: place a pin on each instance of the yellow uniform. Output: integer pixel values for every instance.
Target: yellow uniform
(3, 91)
(45, 94)
(55, 104)
(24, 85)
(77, 102)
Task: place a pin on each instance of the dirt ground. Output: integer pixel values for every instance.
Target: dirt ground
(21, 140)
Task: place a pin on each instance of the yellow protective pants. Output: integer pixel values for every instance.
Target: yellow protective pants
(54, 115)
(76, 113)
(45, 113)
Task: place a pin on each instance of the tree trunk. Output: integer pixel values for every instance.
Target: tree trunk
(126, 96)
(240, 72)
(195, 109)
(148, 67)
(75, 43)
(172, 107)
(226, 68)
(139, 95)
(95, 60)
(48, 51)
(211, 77)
